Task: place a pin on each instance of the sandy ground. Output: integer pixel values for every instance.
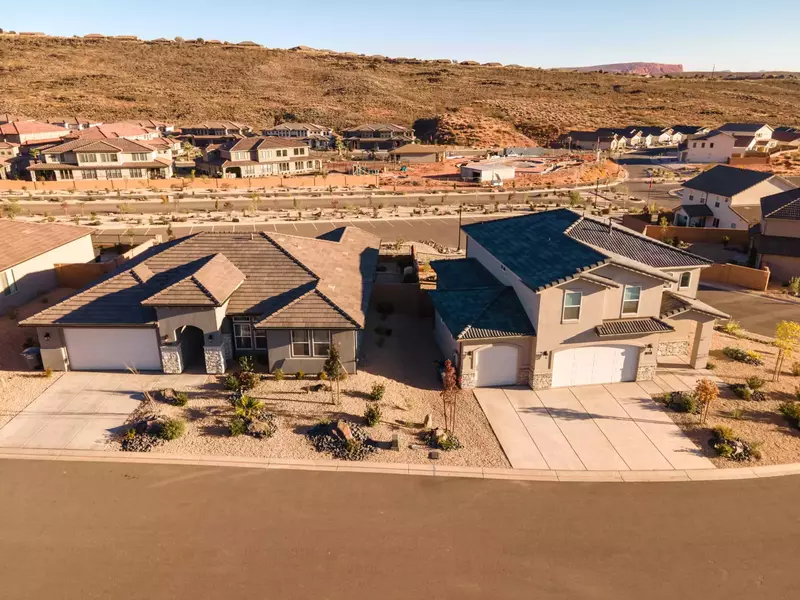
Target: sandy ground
(18, 386)
(760, 422)
(404, 364)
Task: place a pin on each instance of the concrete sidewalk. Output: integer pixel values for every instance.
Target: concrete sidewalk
(616, 427)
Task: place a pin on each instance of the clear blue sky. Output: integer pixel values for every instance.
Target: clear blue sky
(732, 34)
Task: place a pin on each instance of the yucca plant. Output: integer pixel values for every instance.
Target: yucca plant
(247, 406)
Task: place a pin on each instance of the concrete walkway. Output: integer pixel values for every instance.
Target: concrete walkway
(616, 427)
(82, 410)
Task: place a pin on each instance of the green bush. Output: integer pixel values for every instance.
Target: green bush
(684, 402)
(247, 406)
(744, 356)
(372, 415)
(755, 383)
(181, 399)
(732, 327)
(171, 429)
(742, 391)
(791, 410)
(377, 392)
(231, 382)
(322, 376)
(300, 375)
(237, 426)
(278, 374)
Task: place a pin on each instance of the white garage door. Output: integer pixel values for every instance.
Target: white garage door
(111, 349)
(595, 364)
(496, 365)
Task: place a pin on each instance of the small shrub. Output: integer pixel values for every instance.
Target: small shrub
(791, 410)
(181, 399)
(247, 406)
(737, 413)
(742, 391)
(231, 382)
(728, 445)
(48, 373)
(171, 429)
(755, 383)
(794, 286)
(322, 376)
(796, 369)
(372, 415)
(300, 375)
(237, 426)
(684, 402)
(749, 357)
(246, 364)
(711, 366)
(377, 392)
(278, 374)
(732, 327)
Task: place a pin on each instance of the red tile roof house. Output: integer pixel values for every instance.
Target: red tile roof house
(201, 300)
(31, 132)
(557, 299)
(29, 253)
(74, 123)
(8, 152)
(258, 157)
(114, 158)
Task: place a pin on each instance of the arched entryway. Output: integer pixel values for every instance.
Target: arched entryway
(191, 340)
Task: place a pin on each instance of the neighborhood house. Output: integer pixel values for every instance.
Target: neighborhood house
(201, 300)
(381, 136)
(558, 299)
(315, 136)
(777, 240)
(257, 157)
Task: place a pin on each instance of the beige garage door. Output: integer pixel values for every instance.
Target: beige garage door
(112, 349)
(496, 366)
(595, 364)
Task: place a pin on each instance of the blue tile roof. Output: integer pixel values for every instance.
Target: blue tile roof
(462, 274)
(482, 313)
(535, 247)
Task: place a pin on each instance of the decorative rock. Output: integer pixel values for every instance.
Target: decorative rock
(433, 455)
(344, 429)
(427, 423)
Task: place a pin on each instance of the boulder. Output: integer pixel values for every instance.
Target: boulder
(343, 430)
(427, 423)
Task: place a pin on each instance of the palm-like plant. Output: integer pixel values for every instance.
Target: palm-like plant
(247, 407)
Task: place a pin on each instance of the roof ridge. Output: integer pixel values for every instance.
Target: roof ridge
(336, 307)
(500, 290)
(275, 243)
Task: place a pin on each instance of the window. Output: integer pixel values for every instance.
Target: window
(733, 225)
(716, 204)
(63, 174)
(715, 222)
(90, 174)
(87, 158)
(108, 157)
(135, 173)
(261, 339)
(243, 335)
(309, 164)
(702, 200)
(297, 152)
(300, 343)
(114, 174)
(703, 145)
(711, 145)
(140, 157)
(283, 166)
(694, 144)
(54, 158)
(686, 280)
(691, 197)
(572, 306)
(8, 282)
(322, 342)
(630, 299)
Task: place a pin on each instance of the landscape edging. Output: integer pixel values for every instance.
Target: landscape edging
(404, 468)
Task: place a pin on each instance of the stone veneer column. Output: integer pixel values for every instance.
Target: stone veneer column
(215, 359)
(702, 344)
(540, 381)
(467, 381)
(171, 359)
(645, 373)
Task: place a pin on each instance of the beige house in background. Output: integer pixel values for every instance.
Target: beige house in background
(556, 299)
(778, 239)
(31, 132)
(419, 153)
(317, 137)
(258, 157)
(29, 253)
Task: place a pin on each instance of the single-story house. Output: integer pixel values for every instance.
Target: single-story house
(201, 300)
(29, 253)
(726, 197)
(777, 240)
(490, 171)
(559, 299)
(418, 153)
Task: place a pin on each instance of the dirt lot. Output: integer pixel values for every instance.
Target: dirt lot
(18, 386)
(405, 364)
(759, 422)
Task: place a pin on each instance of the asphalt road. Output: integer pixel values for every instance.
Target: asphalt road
(107, 530)
(756, 313)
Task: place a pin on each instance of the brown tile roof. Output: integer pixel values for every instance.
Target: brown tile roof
(105, 145)
(158, 163)
(22, 241)
(673, 304)
(258, 143)
(210, 285)
(615, 327)
(113, 130)
(312, 310)
(277, 271)
(23, 127)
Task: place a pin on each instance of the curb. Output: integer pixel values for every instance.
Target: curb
(153, 458)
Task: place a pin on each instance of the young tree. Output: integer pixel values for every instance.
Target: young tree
(706, 392)
(65, 207)
(574, 197)
(449, 396)
(334, 370)
(787, 339)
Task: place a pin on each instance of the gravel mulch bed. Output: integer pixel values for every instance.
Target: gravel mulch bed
(18, 386)
(758, 422)
(404, 364)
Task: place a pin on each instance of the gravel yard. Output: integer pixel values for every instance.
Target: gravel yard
(18, 386)
(757, 421)
(404, 364)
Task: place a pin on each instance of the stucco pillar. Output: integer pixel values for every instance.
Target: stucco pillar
(702, 344)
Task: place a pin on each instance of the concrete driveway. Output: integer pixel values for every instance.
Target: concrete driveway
(615, 427)
(81, 411)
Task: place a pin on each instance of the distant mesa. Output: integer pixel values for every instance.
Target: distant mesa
(632, 68)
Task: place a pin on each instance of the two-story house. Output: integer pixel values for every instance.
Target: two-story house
(128, 131)
(712, 147)
(116, 158)
(760, 131)
(8, 152)
(726, 197)
(257, 157)
(31, 133)
(558, 299)
(317, 137)
(377, 136)
(777, 241)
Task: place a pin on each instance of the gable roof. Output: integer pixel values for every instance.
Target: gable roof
(258, 143)
(751, 127)
(105, 145)
(113, 130)
(711, 134)
(462, 274)
(742, 141)
(264, 273)
(673, 304)
(22, 241)
(24, 127)
(727, 181)
(482, 313)
(697, 210)
(784, 205)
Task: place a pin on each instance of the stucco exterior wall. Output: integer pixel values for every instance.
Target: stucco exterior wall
(780, 228)
(279, 348)
(720, 153)
(694, 281)
(524, 347)
(170, 319)
(37, 275)
(782, 268)
(447, 344)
